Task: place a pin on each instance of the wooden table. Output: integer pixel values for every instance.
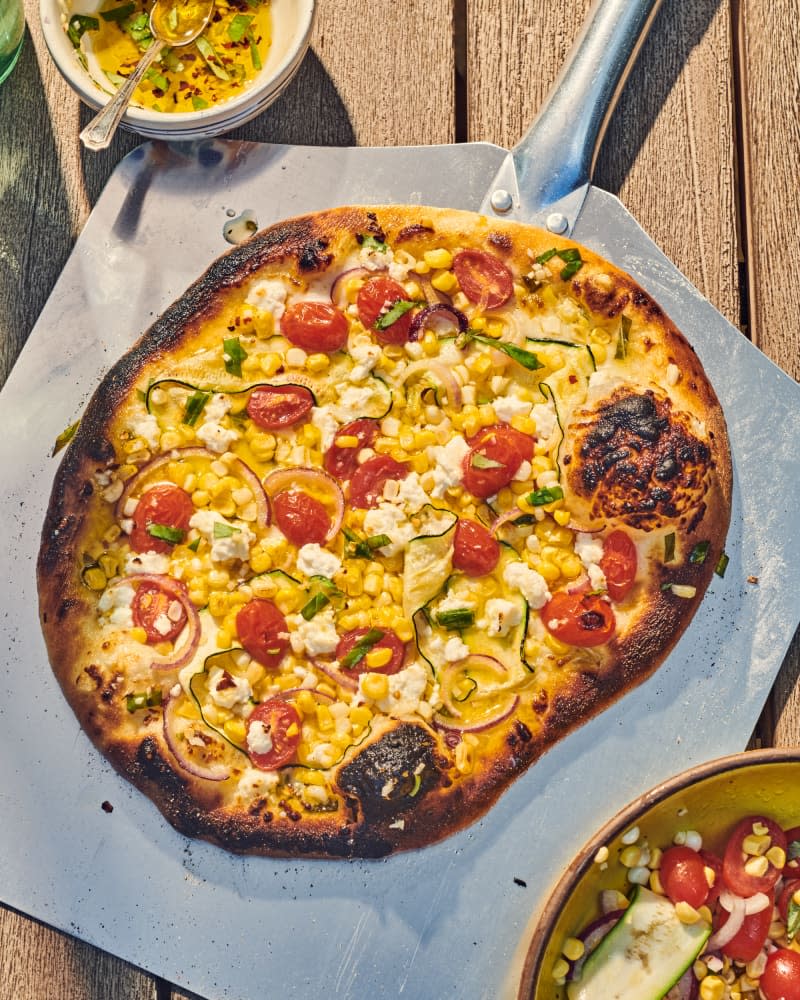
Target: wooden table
(703, 149)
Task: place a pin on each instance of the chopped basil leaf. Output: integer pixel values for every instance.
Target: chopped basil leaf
(571, 268)
(546, 495)
(544, 257)
(479, 461)
(722, 564)
(793, 850)
(198, 103)
(699, 553)
(195, 405)
(669, 547)
(373, 243)
(64, 438)
(237, 29)
(456, 619)
(139, 29)
(363, 548)
(622, 339)
(362, 647)
(525, 358)
(792, 919)
(233, 355)
(195, 545)
(159, 81)
(165, 532)
(378, 541)
(211, 58)
(255, 55)
(222, 530)
(316, 604)
(78, 25)
(398, 309)
(571, 257)
(118, 13)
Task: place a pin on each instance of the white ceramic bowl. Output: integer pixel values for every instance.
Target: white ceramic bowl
(292, 21)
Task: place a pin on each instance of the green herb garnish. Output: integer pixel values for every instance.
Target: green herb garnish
(363, 548)
(479, 461)
(699, 553)
(237, 29)
(211, 58)
(622, 339)
(546, 495)
(118, 13)
(195, 545)
(792, 919)
(525, 358)
(417, 785)
(456, 619)
(223, 530)
(793, 850)
(362, 647)
(722, 564)
(669, 547)
(233, 355)
(398, 309)
(78, 25)
(165, 532)
(199, 103)
(314, 606)
(573, 261)
(143, 699)
(64, 438)
(159, 81)
(195, 405)
(255, 55)
(139, 29)
(373, 243)
(547, 255)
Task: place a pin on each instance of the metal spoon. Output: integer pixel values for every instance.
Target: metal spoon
(173, 23)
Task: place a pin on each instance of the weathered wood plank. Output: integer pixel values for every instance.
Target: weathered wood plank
(669, 151)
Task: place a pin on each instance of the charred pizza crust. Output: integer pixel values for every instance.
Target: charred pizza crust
(637, 443)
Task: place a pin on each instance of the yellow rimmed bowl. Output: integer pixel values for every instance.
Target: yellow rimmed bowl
(292, 22)
(710, 798)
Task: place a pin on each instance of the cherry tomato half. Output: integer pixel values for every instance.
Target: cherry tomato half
(375, 298)
(272, 407)
(343, 462)
(301, 518)
(263, 632)
(579, 619)
(366, 485)
(166, 505)
(158, 613)
(733, 870)
(683, 877)
(618, 563)
(495, 455)
(475, 549)
(315, 326)
(715, 864)
(483, 278)
(780, 979)
(389, 640)
(748, 941)
(278, 722)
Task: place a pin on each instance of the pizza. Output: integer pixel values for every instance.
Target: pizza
(387, 503)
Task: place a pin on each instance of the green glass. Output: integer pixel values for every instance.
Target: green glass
(12, 31)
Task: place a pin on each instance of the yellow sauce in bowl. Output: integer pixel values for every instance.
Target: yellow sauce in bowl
(217, 67)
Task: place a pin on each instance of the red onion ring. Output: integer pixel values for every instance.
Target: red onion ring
(501, 519)
(347, 681)
(432, 295)
(337, 288)
(236, 465)
(481, 660)
(180, 656)
(293, 692)
(445, 722)
(298, 476)
(732, 925)
(441, 373)
(453, 315)
(212, 772)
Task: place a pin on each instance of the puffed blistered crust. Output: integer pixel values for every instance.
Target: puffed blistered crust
(640, 453)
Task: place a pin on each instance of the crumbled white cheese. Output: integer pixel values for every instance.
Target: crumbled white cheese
(145, 562)
(528, 582)
(406, 690)
(544, 416)
(501, 616)
(389, 519)
(258, 738)
(410, 493)
(447, 461)
(524, 472)
(353, 402)
(268, 296)
(326, 424)
(146, 427)
(589, 550)
(296, 357)
(455, 649)
(506, 407)
(229, 541)
(365, 355)
(453, 602)
(216, 437)
(116, 603)
(227, 690)
(255, 783)
(313, 560)
(315, 637)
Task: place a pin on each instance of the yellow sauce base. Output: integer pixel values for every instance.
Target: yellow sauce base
(191, 82)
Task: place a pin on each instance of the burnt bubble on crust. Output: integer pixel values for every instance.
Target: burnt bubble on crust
(640, 463)
(393, 773)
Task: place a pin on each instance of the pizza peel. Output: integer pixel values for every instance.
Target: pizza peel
(448, 920)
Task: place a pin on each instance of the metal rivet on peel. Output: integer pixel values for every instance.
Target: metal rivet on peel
(501, 200)
(557, 223)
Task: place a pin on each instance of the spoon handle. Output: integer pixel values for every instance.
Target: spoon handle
(100, 130)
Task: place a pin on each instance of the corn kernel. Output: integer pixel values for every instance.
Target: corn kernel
(445, 282)
(686, 913)
(94, 578)
(218, 604)
(756, 845)
(561, 517)
(438, 258)
(465, 760)
(655, 883)
(757, 866)
(631, 856)
(188, 710)
(324, 718)
(235, 730)
(286, 600)
(573, 949)
(375, 686)
(260, 560)
(346, 441)
(318, 362)
(224, 638)
(712, 988)
(138, 634)
(360, 715)
(560, 969)
(198, 595)
(776, 856)
(430, 343)
(548, 570)
(201, 498)
(705, 914)
(373, 584)
(378, 657)
(556, 645)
